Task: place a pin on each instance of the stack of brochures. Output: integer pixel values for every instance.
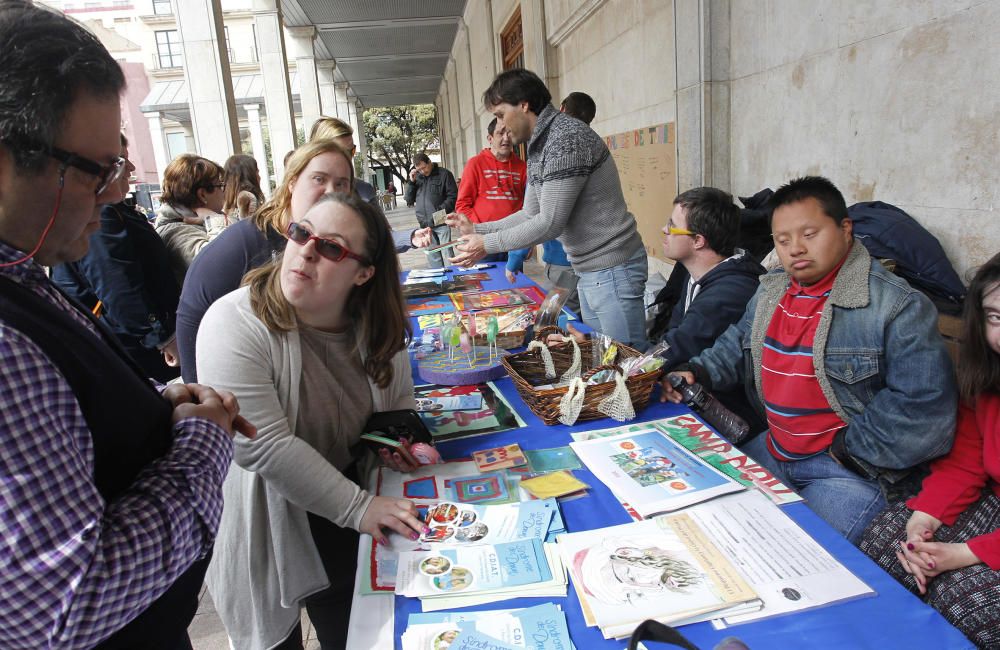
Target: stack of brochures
(450, 577)
(463, 524)
(476, 554)
(734, 559)
(542, 627)
(650, 473)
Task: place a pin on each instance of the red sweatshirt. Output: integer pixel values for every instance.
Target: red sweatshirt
(491, 189)
(957, 479)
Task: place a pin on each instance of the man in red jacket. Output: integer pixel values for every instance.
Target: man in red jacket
(493, 182)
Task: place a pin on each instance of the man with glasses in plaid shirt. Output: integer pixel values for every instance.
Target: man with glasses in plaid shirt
(110, 491)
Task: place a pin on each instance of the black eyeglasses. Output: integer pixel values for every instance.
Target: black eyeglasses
(107, 174)
(328, 248)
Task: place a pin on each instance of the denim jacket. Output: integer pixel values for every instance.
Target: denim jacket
(879, 360)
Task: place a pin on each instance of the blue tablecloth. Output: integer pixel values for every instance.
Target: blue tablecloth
(894, 618)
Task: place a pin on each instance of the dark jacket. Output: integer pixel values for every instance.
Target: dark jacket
(722, 297)
(127, 268)
(131, 431)
(438, 191)
(888, 232)
(879, 361)
(216, 271)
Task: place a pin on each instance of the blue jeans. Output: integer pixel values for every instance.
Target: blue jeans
(840, 497)
(611, 300)
(442, 235)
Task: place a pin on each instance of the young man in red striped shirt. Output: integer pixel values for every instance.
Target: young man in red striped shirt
(846, 364)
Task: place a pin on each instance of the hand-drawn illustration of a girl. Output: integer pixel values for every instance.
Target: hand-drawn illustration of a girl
(621, 571)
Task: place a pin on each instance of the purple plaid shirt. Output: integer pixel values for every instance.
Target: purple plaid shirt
(74, 569)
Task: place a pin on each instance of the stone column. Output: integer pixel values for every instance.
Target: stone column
(701, 29)
(277, 91)
(352, 113)
(257, 142)
(327, 89)
(340, 92)
(209, 81)
(362, 140)
(159, 142)
(305, 64)
(536, 45)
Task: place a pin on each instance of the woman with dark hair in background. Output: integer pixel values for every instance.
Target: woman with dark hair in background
(944, 543)
(125, 279)
(243, 195)
(190, 213)
(312, 346)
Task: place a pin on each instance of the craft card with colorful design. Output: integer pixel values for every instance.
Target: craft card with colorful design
(499, 457)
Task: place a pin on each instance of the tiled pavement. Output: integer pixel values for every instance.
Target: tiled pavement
(206, 631)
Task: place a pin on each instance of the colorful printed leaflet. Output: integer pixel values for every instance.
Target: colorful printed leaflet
(651, 472)
(665, 568)
(471, 569)
(691, 433)
(452, 524)
(542, 627)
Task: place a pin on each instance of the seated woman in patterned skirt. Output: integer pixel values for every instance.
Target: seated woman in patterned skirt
(945, 542)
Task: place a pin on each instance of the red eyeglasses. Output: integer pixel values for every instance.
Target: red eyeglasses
(328, 248)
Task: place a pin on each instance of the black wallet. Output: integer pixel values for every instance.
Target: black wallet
(395, 431)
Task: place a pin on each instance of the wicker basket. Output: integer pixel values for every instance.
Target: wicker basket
(528, 371)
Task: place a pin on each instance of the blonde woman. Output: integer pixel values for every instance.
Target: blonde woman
(331, 128)
(314, 169)
(311, 346)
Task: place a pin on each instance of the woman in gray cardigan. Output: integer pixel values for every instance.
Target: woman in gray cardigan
(312, 345)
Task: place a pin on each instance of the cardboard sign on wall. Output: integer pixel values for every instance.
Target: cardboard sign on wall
(647, 165)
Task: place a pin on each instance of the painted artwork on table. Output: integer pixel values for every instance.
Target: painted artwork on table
(508, 319)
(431, 305)
(477, 300)
(495, 415)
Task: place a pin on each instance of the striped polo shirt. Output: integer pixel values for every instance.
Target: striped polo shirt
(800, 420)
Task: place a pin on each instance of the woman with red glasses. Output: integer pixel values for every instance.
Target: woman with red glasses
(315, 168)
(312, 345)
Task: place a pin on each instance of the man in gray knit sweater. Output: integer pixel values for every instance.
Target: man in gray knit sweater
(574, 194)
